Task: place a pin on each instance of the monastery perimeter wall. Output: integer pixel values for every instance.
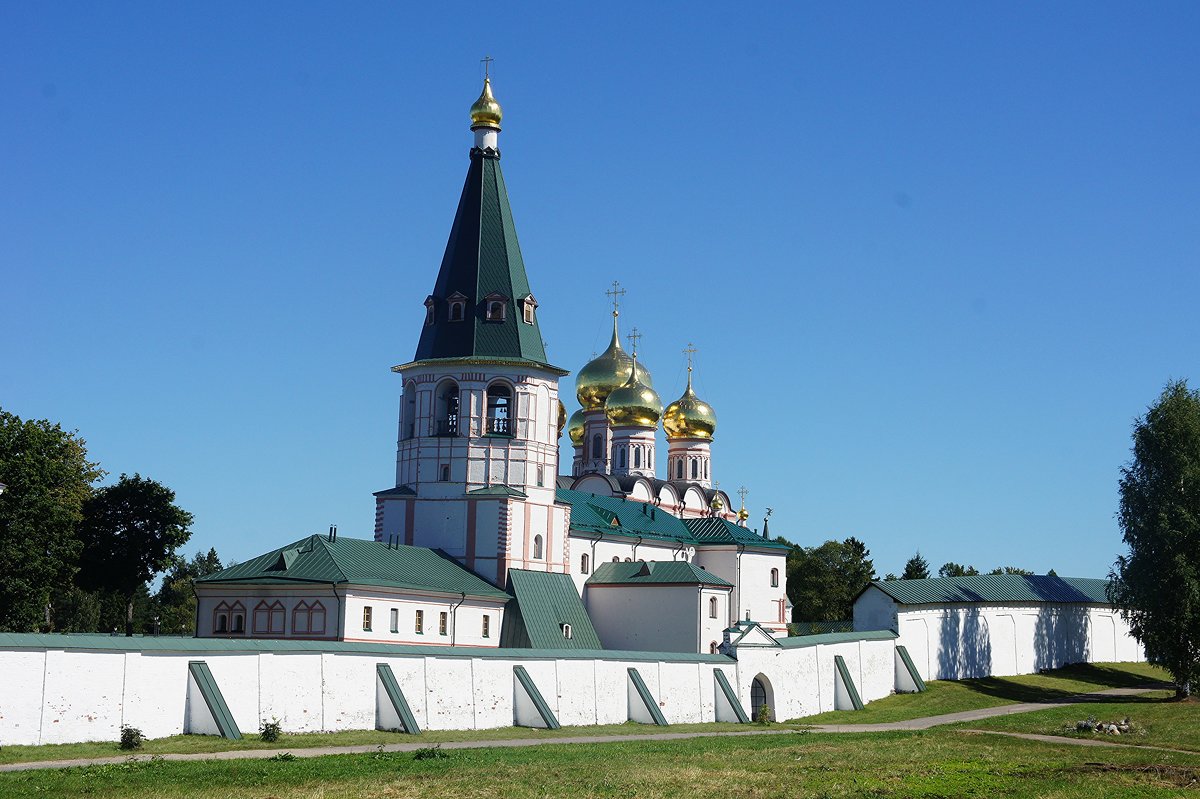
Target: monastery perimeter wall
(65, 689)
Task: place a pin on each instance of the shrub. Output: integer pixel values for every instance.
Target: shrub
(282, 757)
(131, 737)
(763, 716)
(270, 731)
(430, 753)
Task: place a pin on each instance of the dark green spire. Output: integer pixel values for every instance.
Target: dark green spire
(482, 266)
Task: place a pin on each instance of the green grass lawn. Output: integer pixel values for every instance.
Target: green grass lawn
(1159, 720)
(951, 697)
(939, 763)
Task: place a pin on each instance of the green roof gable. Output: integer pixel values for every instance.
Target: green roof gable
(654, 572)
(482, 260)
(542, 604)
(710, 530)
(996, 588)
(355, 561)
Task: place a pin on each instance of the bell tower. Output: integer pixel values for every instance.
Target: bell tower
(477, 454)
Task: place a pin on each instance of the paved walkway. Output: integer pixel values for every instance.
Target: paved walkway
(911, 724)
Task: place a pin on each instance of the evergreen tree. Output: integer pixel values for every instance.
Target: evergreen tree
(917, 568)
(1157, 583)
(823, 581)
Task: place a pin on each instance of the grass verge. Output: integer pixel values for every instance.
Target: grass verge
(945, 696)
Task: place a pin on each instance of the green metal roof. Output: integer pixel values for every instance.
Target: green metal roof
(710, 530)
(801, 641)
(654, 572)
(482, 259)
(622, 517)
(995, 588)
(543, 603)
(316, 559)
(253, 646)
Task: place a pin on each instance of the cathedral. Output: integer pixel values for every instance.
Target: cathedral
(482, 521)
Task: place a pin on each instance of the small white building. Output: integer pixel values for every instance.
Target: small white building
(346, 589)
(997, 624)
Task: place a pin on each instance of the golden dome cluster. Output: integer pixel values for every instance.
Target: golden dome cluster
(575, 428)
(486, 112)
(689, 416)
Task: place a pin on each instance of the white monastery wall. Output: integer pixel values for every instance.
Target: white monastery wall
(655, 618)
(960, 641)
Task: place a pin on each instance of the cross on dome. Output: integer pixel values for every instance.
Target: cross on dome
(616, 292)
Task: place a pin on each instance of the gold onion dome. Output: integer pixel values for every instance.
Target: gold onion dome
(743, 515)
(606, 373)
(562, 417)
(486, 111)
(689, 416)
(575, 428)
(634, 404)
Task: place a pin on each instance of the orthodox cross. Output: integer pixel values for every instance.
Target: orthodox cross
(634, 337)
(487, 63)
(689, 352)
(616, 292)
(742, 492)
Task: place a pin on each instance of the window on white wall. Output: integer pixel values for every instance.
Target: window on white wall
(268, 618)
(367, 619)
(537, 547)
(395, 625)
(443, 623)
(487, 626)
(774, 578)
(712, 607)
(584, 564)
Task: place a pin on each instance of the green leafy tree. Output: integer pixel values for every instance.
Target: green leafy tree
(48, 477)
(175, 602)
(130, 532)
(917, 568)
(1156, 584)
(823, 581)
(1009, 570)
(952, 569)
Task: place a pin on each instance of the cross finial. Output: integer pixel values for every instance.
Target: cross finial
(689, 352)
(616, 292)
(487, 65)
(634, 337)
(742, 492)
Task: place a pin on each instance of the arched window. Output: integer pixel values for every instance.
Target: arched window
(760, 699)
(774, 578)
(428, 311)
(616, 559)
(712, 607)
(584, 564)
(221, 618)
(679, 469)
(445, 473)
(637, 457)
(537, 547)
(456, 311)
(499, 409)
(621, 456)
(598, 447)
(527, 306)
(712, 648)
(495, 311)
(629, 560)
(706, 470)
(238, 611)
(409, 422)
(447, 421)
(566, 630)
(695, 469)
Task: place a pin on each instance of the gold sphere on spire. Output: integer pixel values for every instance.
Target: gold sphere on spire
(575, 428)
(486, 112)
(689, 416)
(634, 404)
(605, 373)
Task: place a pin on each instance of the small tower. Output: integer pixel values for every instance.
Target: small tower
(690, 423)
(633, 411)
(602, 375)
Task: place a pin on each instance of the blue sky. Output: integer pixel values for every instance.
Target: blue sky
(936, 257)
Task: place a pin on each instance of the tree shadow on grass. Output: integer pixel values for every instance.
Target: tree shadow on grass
(1102, 676)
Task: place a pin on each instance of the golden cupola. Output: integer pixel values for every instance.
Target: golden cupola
(575, 428)
(606, 373)
(634, 404)
(486, 112)
(689, 416)
(562, 417)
